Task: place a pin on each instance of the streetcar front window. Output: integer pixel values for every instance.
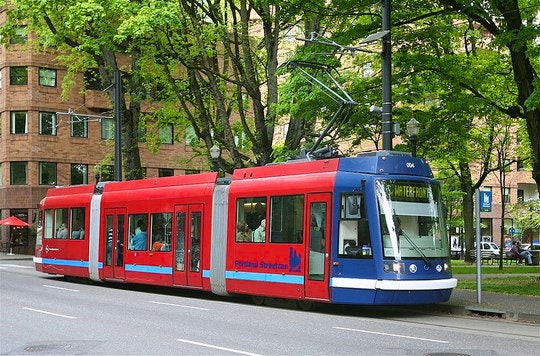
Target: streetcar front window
(412, 220)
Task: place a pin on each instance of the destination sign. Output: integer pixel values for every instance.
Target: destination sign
(409, 192)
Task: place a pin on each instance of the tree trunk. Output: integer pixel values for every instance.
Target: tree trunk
(131, 159)
(468, 209)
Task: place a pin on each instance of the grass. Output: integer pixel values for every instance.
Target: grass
(524, 285)
(521, 285)
(462, 267)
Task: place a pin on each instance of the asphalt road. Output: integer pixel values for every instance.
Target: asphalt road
(41, 314)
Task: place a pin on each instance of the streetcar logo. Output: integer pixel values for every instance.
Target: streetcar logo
(47, 249)
(294, 260)
(413, 268)
(438, 268)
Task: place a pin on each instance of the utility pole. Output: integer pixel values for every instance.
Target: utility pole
(387, 125)
(118, 126)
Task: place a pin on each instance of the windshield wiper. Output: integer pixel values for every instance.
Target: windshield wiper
(399, 231)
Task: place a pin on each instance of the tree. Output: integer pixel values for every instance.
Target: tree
(460, 84)
(214, 64)
(526, 215)
(512, 25)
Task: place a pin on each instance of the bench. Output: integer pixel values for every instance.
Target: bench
(509, 259)
(485, 256)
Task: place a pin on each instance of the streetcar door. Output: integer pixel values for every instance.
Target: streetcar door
(113, 238)
(317, 247)
(187, 245)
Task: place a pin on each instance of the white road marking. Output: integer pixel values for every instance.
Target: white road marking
(49, 313)
(394, 335)
(61, 288)
(15, 266)
(218, 347)
(178, 305)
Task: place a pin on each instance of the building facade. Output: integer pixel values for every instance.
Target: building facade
(518, 187)
(42, 146)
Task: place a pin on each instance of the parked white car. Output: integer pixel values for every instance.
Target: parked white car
(490, 248)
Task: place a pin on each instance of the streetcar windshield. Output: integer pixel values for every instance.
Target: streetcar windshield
(412, 220)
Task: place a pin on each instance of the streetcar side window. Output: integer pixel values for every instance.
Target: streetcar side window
(354, 237)
(138, 232)
(77, 224)
(287, 217)
(251, 219)
(161, 231)
(60, 223)
(48, 224)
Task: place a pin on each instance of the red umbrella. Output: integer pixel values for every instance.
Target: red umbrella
(13, 221)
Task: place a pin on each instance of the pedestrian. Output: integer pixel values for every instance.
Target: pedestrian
(521, 254)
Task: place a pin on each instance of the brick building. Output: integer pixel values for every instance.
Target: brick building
(519, 187)
(40, 147)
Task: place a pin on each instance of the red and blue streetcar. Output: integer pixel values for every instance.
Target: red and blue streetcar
(361, 230)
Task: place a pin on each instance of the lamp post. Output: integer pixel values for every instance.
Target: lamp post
(413, 127)
(215, 152)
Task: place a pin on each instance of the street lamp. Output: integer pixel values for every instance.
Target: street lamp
(215, 152)
(413, 127)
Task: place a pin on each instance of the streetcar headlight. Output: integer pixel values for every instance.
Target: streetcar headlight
(447, 267)
(394, 267)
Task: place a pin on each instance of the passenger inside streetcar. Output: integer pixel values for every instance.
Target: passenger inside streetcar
(139, 240)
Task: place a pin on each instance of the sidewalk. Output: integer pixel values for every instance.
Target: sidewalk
(462, 302)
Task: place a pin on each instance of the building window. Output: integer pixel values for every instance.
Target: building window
(486, 229)
(19, 173)
(47, 123)
(47, 173)
(79, 127)
(521, 165)
(107, 129)
(47, 77)
(192, 171)
(506, 193)
(191, 136)
(166, 134)
(520, 195)
(79, 174)
(20, 36)
(165, 172)
(19, 122)
(18, 76)
(19, 236)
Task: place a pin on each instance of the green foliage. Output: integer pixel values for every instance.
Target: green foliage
(526, 214)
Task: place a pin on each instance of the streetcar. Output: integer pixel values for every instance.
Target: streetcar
(365, 230)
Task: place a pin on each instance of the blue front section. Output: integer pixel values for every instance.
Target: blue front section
(364, 280)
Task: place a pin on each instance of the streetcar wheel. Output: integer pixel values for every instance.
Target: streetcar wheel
(305, 305)
(258, 299)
